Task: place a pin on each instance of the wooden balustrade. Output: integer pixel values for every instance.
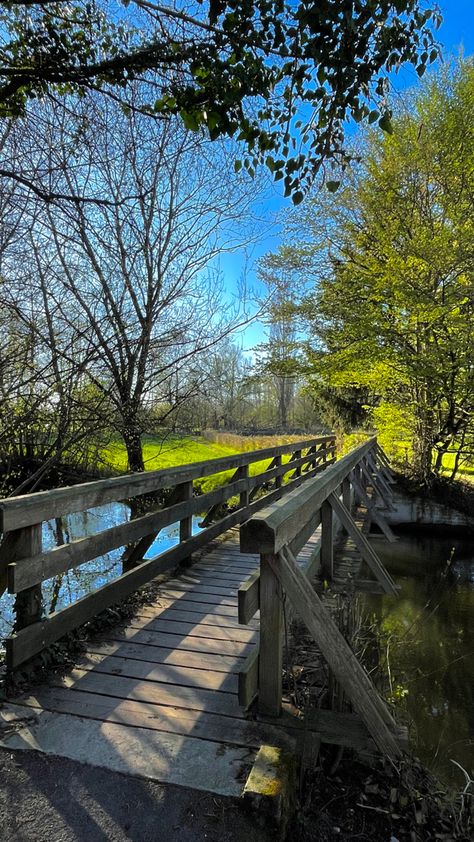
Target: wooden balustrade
(27, 565)
(278, 532)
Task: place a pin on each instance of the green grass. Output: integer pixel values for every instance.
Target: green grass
(466, 468)
(166, 452)
(174, 451)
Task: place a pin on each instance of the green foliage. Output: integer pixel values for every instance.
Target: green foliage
(394, 425)
(393, 312)
(213, 65)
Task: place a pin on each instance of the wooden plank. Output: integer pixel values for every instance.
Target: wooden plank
(249, 598)
(346, 493)
(198, 588)
(148, 691)
(191, 595)
(377, 488)
(170, 626)
(378, 473)
(248, 679)
(337, 652)
(227, 611)
(139, 650)
(159, 673)
(198, 724)
(385, 462)
(271, 644)
(191, 617)
(17, 512)
(186, 642)
(278, 525)
(313, 563)
(305, 533)
(28, 604)
(343, 729)
(209, 575)
(8, 546)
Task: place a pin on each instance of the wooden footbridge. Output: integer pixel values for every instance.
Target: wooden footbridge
(190, 688)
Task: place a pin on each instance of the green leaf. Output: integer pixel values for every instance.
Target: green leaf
(385, 123)
(189, 119)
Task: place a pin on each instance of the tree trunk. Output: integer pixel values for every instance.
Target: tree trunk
(423, 449)
(133, 444)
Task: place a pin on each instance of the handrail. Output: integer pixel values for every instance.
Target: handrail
(18, 512)
(24, 564)
(277, 533)
(277, 525)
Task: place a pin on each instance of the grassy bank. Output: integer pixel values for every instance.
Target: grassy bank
(171, 451)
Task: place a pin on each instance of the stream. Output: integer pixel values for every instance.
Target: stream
(63, 590)
(429, 635)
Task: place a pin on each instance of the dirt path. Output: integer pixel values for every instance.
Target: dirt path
(50, 799)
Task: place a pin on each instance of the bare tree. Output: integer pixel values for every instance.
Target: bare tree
(132, 281)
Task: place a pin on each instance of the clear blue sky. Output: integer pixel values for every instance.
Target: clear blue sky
(455, 34)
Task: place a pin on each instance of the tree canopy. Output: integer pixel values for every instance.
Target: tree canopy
(282, 77)
(393, 259)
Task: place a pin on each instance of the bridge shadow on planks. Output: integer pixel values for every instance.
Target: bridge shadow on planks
(158, 697)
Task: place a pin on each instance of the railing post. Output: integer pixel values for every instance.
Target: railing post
(323, 453)
(28, 603)
(278, 480)
(356, 472)
(243, 473)
(313, 463)
(346, 493)
(327, 541)
(271, 641)
(298, 469)
(184, 493)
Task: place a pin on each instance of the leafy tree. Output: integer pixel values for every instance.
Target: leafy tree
(393, 312)
(283, 77)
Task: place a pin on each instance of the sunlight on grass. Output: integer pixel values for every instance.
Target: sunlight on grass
(172, 451)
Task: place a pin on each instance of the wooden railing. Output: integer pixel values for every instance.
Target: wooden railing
(278, 533)
(24, 565)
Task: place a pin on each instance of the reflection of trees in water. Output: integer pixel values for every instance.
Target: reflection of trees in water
(430, 634)
(66, 588)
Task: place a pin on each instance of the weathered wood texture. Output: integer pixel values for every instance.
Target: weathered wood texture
(278, 532)
(337, 653)
(276, 526)
(31, 568)
(271, 630)
(363, 546)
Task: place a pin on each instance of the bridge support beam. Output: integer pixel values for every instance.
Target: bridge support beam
(271, 640)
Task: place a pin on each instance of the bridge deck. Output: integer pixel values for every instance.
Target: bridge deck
(158, 697)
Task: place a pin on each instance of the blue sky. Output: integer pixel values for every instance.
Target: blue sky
(456, 33)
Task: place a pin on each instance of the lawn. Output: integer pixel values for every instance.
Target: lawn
(169, 452)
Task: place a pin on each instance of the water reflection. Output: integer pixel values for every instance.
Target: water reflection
(429, 631)
(69, 587)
